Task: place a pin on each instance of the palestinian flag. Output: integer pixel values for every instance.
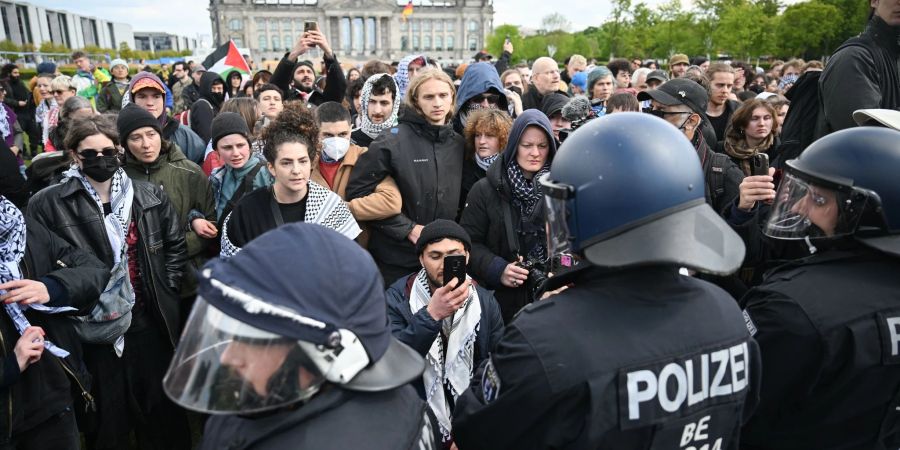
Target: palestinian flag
(407, 11)
(226, 59)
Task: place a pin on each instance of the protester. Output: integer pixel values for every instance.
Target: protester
(453, 326)
(639, 79)
(18, 98)
(72, 109)
(134, 216)
(552, 108)
(512, 78)
(242, 171)
(781, 106)
(600, 85)
(181, 77)
(621, 72)
(574, 64)
(352, 74)
(480, 89)
(751, 131)
(191, 93)
(147, 91)
(622, 102)
(271, 103)
(248, 109)
(546, 385)
(62, 89)
(297, 78)
(678, 65)
(424, 142)
(407, 70)
(233, 83)
(545, 80)
(110, 97)
(720, 108)
(85, 81)
(202, 111)
(44, 101)
(486, 134)
(379, 106)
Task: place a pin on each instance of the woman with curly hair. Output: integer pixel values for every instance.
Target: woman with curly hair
(290, 151)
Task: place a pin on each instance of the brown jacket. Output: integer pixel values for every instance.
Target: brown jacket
(384, 202)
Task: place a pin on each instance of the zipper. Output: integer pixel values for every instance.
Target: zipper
(88, 398)
(153, 284)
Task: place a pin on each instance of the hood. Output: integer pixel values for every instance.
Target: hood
(206, 82)
(497, 172)
(478, 79)
(126, 98)
(553, 103)
(402, 75)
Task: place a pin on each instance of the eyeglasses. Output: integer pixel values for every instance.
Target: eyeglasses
(662, 114)
(491, 98)
(90, 153)
(550, 72)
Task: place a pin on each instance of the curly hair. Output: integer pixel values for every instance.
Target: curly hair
(491, 122)
(294, 124)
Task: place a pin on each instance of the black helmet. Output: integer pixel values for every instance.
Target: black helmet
(628, 189)
(844, 184)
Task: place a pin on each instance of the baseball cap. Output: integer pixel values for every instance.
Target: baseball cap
(658, 75)
(679, 91)
(147, 83)
(481, 55)
(887, 117)
(678, 58)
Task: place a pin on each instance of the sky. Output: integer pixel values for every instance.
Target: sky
(190, 17)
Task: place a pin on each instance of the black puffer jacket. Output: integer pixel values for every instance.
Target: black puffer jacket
(69, 211)
(426, 162)
(483, 219)
(203, 112)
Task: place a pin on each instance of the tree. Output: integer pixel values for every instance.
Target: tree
(125, 51)
(555, 22)
(809, 29)
(744, 30)
(498, 37)
(617, 24)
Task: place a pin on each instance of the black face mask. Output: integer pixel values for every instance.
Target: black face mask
(100, 168)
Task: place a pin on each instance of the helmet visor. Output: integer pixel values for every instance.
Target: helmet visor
(556, 215)
(224, 366)
(812, 209)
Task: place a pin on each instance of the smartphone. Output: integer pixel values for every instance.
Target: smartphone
(310, 26)
(454, 267)
(508, 40)
(759, 164)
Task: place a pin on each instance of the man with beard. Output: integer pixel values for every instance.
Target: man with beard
(378, 108)
(297, 78)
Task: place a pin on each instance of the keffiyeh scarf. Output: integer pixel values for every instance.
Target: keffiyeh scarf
(372, 129)
(526, 193)
(402, 75)
(323, 207)
(458, 338)
(12, 251)
(485, 163)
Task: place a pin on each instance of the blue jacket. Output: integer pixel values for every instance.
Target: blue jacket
(479, 78)
(419, 330)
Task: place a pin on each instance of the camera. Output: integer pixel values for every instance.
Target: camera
(537, 276)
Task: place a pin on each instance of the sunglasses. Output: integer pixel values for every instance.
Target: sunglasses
(662, 114)
(491, 98)
(90, 153)
(58, 91)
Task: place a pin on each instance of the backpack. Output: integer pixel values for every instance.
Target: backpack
(715, 175)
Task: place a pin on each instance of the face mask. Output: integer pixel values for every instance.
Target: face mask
(100, 169)
(335, 147)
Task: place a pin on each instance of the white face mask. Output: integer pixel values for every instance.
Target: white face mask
(335, 147)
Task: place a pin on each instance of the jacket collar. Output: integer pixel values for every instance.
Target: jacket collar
(883, 34)
(436, 133)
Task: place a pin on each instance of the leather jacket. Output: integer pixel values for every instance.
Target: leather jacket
(68, 210)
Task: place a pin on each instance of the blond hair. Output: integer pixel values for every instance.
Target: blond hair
(420, 79)
(62, 83)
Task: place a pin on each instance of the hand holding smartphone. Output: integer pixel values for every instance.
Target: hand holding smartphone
(759, 165)
(454, 267)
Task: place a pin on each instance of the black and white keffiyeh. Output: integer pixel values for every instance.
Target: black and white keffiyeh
(12, 251)
(121, 199)
(454, 371)
(374, 129)
(526, 193)
(323, 207)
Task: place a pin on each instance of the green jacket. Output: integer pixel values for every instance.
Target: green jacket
(188, 190)
(109, 99)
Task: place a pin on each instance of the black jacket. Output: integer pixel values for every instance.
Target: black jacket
(203, 112)
(483, 218)
(426, 162)
(190, 94)
(335, 84)
(73, 278)
(533, 99)
(581, 369)
(863, 73)
(722, 186)
(827, 329)
(69, 211)
(334, 418)
(12, 184)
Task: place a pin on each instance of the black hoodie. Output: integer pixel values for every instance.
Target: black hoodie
(202, 112)
(483, 219)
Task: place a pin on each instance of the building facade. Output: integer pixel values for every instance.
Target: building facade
(358, 30)
(24, 23)
(159, 41)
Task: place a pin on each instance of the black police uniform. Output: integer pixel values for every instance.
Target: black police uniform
(828, 328)
(333, 419)
(638, 358)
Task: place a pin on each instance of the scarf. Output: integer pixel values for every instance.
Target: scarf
(470, 108)
(402, 75)
(485, 163)
(458, 334)
(12, 251)
(323, 207)
(226, 180)
(371, 129)
(4, 122)
(737, 148)
(526, 193)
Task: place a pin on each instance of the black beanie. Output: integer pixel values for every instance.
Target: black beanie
(132, 117)
(226, 123)
(306, 63)
(442, 229)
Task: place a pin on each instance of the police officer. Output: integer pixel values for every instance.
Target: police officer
(828, 325)
(287, 352)
(633, 355)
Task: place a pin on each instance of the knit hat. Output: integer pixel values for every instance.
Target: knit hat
(226, 123)
(132, 117)
(678, 58)
(118, 62)
(580, 80)
(306, 63)
(442, 229)
(658, 75)
(46, 67)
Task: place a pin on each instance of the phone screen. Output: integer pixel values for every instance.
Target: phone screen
(310, 26)
(454, 267)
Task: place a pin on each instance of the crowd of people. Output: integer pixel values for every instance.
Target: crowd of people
(697, 254)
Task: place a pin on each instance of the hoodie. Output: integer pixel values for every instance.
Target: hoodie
(479, 78)
(483, 219)
(202, 112)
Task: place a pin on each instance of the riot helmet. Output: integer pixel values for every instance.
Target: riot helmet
(628, 189)
(269, 328)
